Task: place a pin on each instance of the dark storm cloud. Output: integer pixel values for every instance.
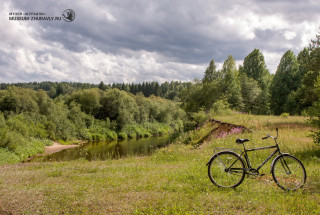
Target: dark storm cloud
(151, 40)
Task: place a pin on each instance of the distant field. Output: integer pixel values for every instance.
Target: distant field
(172, 181)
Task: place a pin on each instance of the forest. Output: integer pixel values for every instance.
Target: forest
(33, 115)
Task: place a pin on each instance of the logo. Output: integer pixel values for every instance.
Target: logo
(69, 15)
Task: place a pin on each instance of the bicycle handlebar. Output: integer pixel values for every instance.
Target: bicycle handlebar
(266, 137)
(271, 136)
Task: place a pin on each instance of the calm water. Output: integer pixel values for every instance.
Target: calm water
(107, 150)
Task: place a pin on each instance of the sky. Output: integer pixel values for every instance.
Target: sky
(118, 41)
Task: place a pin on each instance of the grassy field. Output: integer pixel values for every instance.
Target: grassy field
(172, 181)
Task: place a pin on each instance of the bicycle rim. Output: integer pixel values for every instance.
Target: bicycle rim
(289, 173)
(226, 169)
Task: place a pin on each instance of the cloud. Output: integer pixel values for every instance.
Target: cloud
(125, 41)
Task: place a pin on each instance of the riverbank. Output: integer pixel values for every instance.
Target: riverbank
(55, 147)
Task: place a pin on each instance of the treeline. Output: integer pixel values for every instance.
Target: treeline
(29, 118)
(167, 90)
(249, 88)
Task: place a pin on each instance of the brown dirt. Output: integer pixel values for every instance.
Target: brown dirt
(223, 129)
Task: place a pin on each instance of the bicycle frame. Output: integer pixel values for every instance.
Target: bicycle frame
(245, 155)
(247, 160)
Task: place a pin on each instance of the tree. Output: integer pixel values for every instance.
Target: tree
(314, 50)
(254, 67)
(88, 100)
(303, 58)
(102, 86)
(211, 73)
(284, 82)
(314, 113)
(231, 84)
(309, 70)
(250, 92)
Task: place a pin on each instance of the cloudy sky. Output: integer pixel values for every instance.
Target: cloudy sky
(140, 40)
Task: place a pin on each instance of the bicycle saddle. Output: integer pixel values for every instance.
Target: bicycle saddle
(239, 141)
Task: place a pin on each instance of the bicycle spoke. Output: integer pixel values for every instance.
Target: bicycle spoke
(289, 173)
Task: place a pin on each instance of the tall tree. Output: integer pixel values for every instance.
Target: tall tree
(314, 113)
(250, 92)
(231, 83)
(284, 82)
(314, 50)
(254, 66)
(211, 73)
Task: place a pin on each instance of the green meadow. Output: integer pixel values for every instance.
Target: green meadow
(173, 180)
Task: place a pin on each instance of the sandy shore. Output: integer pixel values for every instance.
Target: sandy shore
(56, 147)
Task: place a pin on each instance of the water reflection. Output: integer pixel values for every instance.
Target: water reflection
(107, 150)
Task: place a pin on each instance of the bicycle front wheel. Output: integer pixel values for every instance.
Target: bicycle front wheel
(226, 169)
(288, 172)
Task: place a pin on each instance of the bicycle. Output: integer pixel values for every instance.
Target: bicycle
(228, 168)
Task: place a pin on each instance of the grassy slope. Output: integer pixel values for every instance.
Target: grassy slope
(172, 181)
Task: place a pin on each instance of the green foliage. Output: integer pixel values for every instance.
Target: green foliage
(314, 113)
(231, 83)
(122, 136)
(87, 99)
(28, 148)
(313, 63)
(136, 131)
(284, 83)
(211, 73)
(254, 67)
(8, 157)
(250, 91)
(285, 115)
(220, 108)
(305, 94)
(199, 117)
(28, 118)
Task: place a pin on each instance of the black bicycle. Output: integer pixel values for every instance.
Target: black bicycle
(228, 168)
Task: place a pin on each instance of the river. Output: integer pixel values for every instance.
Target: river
(107, 150)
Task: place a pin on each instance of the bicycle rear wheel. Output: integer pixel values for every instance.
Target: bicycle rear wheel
(226, 169)
(288, 172)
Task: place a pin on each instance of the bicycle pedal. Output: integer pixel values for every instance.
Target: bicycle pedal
(262, 174)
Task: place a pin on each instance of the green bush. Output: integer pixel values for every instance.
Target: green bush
(8, 157)
(29, 148)
(122, 136)
(285, 115)
(220, 108)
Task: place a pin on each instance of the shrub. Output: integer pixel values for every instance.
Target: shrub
(285, 115)
(8, 157)
(122, 136)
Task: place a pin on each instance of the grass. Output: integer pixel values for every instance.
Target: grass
(172, 181)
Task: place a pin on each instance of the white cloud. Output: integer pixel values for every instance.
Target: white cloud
(118, 41)
(289, 35)
(272, 59)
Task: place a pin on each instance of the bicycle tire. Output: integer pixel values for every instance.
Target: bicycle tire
(288, 172)
(218, 169)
